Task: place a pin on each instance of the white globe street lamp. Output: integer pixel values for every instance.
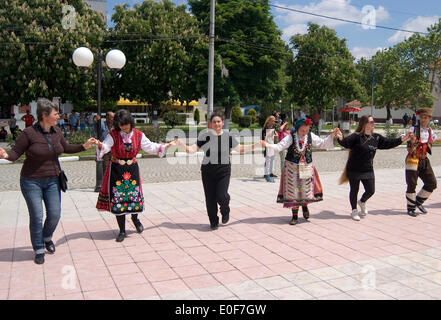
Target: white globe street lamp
(82, 57)
(115, 59)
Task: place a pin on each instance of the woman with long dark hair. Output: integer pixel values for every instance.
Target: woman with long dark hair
(363, 144)
(121, 189)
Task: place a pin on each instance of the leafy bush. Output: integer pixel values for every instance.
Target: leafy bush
(245, 121)
(10, 141)
(77, 138)
(152, 134)
(197, 116)
(172, 119)
(182, 119)
(391, 133)
(253, 114)
(236, 113)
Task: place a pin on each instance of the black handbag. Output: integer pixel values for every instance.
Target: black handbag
(62, 178)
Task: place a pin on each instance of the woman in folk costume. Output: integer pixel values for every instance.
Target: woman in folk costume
(418, 164)
(121, 190)
(300, 183)
(363, 145)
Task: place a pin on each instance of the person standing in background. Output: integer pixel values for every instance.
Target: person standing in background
(13, 126)
(28, 118)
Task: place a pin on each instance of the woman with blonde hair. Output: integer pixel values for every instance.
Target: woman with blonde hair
(269, 134)
(363, 144)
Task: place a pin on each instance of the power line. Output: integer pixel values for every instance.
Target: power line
(345, 20)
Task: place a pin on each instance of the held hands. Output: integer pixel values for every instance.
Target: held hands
(407, 136)
(3, 154)
(89, 143)
(337, 132)
(172, 143)
(263, 143)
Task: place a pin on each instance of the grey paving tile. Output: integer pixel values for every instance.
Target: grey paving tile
(319, 289)
(184, 295)
(303, 277)
(345, 284)
(396, 289)
(213, 293)
(327, 273)
(366, 294)
(420, 284)
(291, 293)
(273, 283)
(244, 287)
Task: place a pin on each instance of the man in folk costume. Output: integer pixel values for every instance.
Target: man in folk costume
(418, 164)
(300, 183)
(121, 190)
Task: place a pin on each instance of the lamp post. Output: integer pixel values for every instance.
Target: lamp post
(115, 59)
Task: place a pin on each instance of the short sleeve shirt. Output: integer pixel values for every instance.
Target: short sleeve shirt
(216, 147)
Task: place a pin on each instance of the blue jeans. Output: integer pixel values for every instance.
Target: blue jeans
(35, 191)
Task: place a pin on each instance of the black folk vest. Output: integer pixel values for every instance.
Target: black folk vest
(295, 155)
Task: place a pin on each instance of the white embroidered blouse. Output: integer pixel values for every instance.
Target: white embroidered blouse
(318, 142)
(146, 145)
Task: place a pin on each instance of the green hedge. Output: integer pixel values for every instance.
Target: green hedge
(245, 121)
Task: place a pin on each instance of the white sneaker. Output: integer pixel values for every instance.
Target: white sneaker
(354, 215)
(362, 207)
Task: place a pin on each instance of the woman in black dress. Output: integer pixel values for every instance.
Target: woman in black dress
(216, 166)
(363, 144)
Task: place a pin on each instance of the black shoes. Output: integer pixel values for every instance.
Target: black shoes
(50, 247)
(139, 226)
(411, 212)
(305, 212)
(421, 208)
(121, 236)
(39, 258)
(293, 220)
(214, 226)
(225, 218)
(273, 175)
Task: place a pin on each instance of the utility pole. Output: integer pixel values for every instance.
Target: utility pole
(211, 60)
(373, 83)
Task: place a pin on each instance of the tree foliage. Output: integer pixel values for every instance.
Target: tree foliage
(249, 46)
(163, 47)
(404, 73)
(36, 51)
(322, 69)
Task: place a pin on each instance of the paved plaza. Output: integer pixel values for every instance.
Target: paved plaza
(257, 255)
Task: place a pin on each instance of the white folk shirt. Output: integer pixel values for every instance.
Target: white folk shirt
(146, 145)
(317, 142)
(424, 134)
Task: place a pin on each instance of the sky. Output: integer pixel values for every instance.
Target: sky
(412, 15)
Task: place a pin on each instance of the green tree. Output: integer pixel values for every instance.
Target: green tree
(197, 116)
(399, 83)
(163, 45)
(253, 114)
(322, 69)
(249, 46)
(36, 51)
(236, 113)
